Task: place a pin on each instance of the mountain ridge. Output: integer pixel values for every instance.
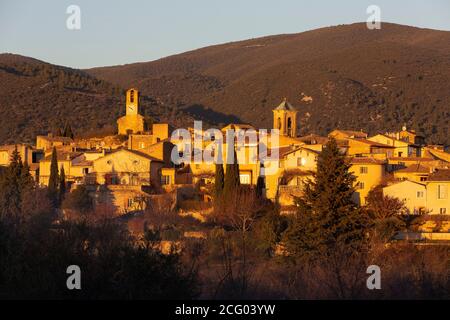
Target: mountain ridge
(343, 76)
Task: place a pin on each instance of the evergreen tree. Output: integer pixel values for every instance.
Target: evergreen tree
(327, 218)
(14, 181)
(260, 187)
(10, 186)
(219, 180)
(62, 185)
(58, 132)
(26, 180)
(53, 179)
(231, 181)
(79, 200)
(68, 131)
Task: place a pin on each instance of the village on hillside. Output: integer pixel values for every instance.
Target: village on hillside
(134, 169)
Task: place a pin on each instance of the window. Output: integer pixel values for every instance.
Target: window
(363, 170)
(132, 96)
(244, 178)
(419, 194)
(165, 180)
(130, 202)
(134, 179)
(300, 162)
(360, 185)
(423, 178)
(443, 210)
(114, 180)
(85, 170)
(442, 191)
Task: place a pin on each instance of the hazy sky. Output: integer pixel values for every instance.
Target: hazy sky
(118, 32)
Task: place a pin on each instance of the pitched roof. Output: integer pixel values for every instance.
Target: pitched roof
(138, 153)
(441, 155)
(11, 147)
(351, 133)
(394, 139)
(418, 159)
(404, 182)
(372, 143)
(287, 151)
(415, 168)
(282, 151)
(440, 175)
(63, 155)
(57, 138)
(366, 160)
(313, 139)
(285, 105)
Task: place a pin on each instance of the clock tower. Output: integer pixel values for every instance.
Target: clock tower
(132, 122)
(132, 102)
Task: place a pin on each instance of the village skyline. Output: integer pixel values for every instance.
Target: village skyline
(301, 153)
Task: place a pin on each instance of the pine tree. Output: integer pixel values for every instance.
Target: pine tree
(231, 181)
(15, 180)
(10, 187)
(327, 218)
(53, 179)
(62, 185)
(219, 180)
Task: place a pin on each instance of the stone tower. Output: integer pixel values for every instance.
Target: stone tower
(132, 102)
(132, 121)
(285, 119)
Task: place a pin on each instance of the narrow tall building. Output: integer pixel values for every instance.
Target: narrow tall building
(285, 119)
(132, 121)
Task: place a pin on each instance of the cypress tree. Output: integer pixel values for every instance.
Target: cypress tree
(231, 181)
(68, 131)
(260, 187)
(26, 180)
(219, 180)
(327, 217)
(62, 185)
(58, 132)
(53, 179)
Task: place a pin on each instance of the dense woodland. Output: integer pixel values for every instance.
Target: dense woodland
(250, 250)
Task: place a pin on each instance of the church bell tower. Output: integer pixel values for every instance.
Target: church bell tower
(132, 102)
(132, 122)
(285, 119)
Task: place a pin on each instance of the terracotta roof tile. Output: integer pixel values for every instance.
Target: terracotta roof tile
(440, 175)
(416, 168)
